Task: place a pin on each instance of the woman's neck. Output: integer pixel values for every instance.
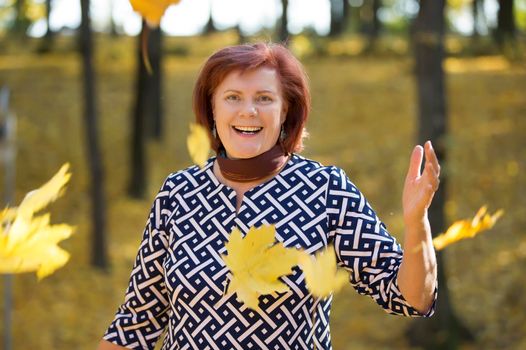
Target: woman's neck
(241, 187)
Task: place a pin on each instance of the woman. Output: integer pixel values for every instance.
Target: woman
(254, 100)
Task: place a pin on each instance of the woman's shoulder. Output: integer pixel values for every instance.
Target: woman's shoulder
(311, 167)
(192, 176)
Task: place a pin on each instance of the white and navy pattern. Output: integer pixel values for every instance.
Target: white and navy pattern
(178, 280)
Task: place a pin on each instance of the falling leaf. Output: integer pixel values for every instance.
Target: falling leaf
(256, 262)
(198, 144)
(467, 228)
(38, 199)
(28, 242)
(321, 276)
(152, 10)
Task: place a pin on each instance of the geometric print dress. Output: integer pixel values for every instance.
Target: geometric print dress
(176, 288)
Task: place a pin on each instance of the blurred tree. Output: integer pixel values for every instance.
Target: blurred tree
(444, 330)
(337, 23)
(99, 257)
(113, 26)
(210, 26)
(375, 20)
(147, 110)
(505, 22)
(283, 29)
(475, 6)
(22, 21)
(47, 41)
(154, 110)
(371, 22)
(241, 38)
(346, 13)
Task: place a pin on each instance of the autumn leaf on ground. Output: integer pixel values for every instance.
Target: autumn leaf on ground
(256, 262)
(321, 275)
(198, 144)
(467, 228)
(152, 10)
(28, 242)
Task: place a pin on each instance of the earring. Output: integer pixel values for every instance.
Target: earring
(214, 132)
(282, 134)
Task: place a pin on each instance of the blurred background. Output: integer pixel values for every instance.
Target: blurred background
(384, 74)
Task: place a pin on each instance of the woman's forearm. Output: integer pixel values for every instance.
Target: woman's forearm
(418, 271)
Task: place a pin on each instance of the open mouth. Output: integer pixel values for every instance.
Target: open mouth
(247, 130)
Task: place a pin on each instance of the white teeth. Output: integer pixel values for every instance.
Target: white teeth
(248, 128)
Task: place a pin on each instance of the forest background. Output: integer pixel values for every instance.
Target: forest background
(365, 119)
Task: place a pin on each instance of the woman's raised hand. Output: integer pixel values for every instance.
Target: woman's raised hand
(419, 188)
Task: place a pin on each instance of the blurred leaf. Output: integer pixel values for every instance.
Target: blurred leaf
(321, 275)
(29, 243)
(256, 264)
(152, 10)
(467, 228)
(198, 144)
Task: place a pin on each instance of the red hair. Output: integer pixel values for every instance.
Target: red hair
(293, 79)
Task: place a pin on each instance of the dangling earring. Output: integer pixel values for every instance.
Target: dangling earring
(282, 134)
(214, 132)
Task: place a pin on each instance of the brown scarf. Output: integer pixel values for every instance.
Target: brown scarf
(252, 169)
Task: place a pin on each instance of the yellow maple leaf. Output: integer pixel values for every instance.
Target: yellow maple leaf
(152, 10)
(467, 228)
(321, 275)
(256, 262)
(29, 242)
(198, 144)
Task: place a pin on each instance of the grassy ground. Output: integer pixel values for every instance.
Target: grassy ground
(363, 120)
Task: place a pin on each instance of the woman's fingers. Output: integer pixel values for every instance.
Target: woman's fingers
(415, 162)
(432, 176)
(431, 157)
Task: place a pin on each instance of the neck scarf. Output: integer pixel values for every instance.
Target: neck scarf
(252, 169)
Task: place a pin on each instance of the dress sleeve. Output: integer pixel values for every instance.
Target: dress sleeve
(143, 315)
(365, 248)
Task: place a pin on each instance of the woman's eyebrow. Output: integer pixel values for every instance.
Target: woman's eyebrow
(265, 91)
(231, 90)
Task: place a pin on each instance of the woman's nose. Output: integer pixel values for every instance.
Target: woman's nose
(250, 110)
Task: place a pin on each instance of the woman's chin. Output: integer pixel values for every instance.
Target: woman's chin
(244, 154)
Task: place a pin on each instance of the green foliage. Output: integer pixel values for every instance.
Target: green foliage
(363, 120)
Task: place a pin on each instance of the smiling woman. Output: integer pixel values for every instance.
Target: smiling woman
(254, 101)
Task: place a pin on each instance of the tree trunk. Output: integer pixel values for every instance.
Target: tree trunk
(47, 40)
(444, 330)
(337, 18)
(153, 107)
(346, 14)
(374, 25)
(137, 184)
(283, 26)
(99, 253)
(113, 26)
(475, 14)
(210, 26)
(505, 22)
(21, 21)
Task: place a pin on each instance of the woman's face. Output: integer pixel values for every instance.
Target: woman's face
(249, 110)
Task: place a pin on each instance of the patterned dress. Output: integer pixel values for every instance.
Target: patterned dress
(178, 280)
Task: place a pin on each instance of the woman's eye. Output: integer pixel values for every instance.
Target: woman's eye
(265, 99)
(232, 98)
